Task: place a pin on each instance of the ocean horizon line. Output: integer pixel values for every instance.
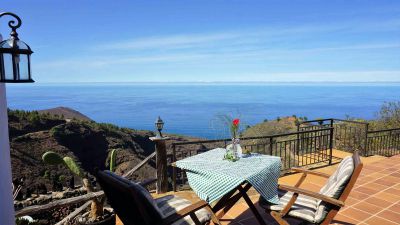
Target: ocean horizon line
(221, 83)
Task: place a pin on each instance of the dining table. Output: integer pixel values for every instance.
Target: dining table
(222, 183)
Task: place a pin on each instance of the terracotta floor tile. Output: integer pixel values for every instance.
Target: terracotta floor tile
(378, 202)
(369, 191)
(388, 197)
(311, 187)
(351, 201)
(343, 219)
(367, 207)
(355, 214)
(385, 182)
(375, 186)
(390, 215)
(375, 175)
(392, 179)
(375, 167)
(378, 221)
(226, 221)
(367, 171)
(239, 211)
(358, 195)
(393, 191)
(252, 221)
(396, 207)
(363, 181)
(397, 174)
(397, 186)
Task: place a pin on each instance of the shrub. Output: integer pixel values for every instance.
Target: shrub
(389, 115)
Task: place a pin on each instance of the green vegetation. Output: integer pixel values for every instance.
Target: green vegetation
(113, 156)
(53, 158)
(388, 117)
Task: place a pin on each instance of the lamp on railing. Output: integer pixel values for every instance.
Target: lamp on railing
(14, 68)
(159, 126)
(161, 158)
(15, 61)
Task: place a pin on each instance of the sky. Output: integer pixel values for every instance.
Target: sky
(210, 40)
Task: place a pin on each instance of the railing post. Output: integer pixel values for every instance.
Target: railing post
(270, 146)
(330, 143)
(331, 124)
(365, 152)
(161, 164)
(298, 138)
(174, 168)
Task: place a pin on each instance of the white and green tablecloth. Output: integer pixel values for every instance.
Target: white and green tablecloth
(211, 177)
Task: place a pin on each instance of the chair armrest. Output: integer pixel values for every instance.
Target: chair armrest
(184, 212)
(312, 194)
(301, 170)
(147, 182)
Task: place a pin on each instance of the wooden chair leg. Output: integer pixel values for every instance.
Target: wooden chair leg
(194, 218)
(278, 218)
(214, 218)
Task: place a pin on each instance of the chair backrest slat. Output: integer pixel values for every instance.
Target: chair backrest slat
(346, 192)
(356, 173)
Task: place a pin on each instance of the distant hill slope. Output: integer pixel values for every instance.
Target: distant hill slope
(66, 112)
(271, 127)
(33, 133)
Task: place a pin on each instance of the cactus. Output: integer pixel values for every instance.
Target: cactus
(53, 158)
(113, 156)
(73, 166)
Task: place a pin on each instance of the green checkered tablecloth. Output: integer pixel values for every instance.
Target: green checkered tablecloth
(211, 177)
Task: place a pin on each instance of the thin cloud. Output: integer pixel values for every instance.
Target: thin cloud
(245, 36)
(321, 76)
(200, 57)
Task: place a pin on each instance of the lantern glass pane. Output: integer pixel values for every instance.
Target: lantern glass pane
(12, 43)
(8, 66)
(23, 67)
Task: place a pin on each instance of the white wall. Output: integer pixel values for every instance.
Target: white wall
(6, 201)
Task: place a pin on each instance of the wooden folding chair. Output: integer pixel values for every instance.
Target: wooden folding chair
(135, 206)
(312, 207)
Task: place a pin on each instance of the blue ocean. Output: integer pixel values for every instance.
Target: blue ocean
(192, 109)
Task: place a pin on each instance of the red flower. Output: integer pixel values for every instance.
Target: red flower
(235, 122)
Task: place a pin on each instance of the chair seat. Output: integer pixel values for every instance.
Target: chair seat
(304, 208)
(171, 203)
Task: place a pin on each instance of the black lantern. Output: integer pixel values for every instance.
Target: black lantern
(159, 126)
(15, 64)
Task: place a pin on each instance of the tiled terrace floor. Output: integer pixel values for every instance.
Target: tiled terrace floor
(374, 200)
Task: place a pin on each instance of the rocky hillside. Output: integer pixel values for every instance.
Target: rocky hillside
(33, 133)
(66, 113)
(271, 127)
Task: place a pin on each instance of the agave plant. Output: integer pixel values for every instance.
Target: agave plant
(97, 204)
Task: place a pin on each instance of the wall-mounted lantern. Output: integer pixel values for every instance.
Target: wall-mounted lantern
(15, 55)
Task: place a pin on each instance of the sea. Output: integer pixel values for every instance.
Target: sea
(195, 109)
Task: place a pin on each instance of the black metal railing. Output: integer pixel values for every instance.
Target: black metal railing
(348, 135)
(383, 142)
(352, 135)
(296, 149)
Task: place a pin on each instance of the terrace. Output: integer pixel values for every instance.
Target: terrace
(318, 145)
(375, 198)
